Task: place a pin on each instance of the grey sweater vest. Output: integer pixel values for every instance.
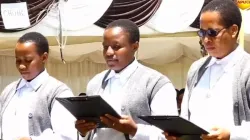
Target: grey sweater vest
(241, 85)
(140, 89)
(39, 116)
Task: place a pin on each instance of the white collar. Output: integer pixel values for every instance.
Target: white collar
(125, 73)
(228, 61)
(36, 82)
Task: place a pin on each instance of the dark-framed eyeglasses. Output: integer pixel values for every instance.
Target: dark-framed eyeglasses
(209, 32)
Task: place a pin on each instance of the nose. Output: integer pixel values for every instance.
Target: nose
(206, 39)
(110, 51)
(22, 67)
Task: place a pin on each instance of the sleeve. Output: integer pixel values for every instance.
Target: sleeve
(184, 105)
(242, 132)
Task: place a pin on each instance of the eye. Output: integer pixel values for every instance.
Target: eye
(116, 47)
(18, 61)
(212, 32)
(28, 60)
(105, 47)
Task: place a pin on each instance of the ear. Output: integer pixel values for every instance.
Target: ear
(234, 30)
(135, 46)
(45, 57)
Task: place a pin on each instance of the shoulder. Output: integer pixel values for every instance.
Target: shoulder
(7, 90)
(56, 83)
(10, 86)
(197, 64)
(152, 77)
(151, 73)
(97, 78)
(57, 86)
(95, 82)
(244, 66)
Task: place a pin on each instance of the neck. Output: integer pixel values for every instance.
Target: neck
(233, 47)
(36, 75)
(117, 71)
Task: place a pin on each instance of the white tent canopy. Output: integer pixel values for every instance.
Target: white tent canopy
(169, 53)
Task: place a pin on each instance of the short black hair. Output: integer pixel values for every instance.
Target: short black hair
(38, 39)
(228, 10)
(179, 92)
(128, 26)
(182, 91)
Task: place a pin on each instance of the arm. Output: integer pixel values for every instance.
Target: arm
(164, 103)
(63, 123)
(242, 132)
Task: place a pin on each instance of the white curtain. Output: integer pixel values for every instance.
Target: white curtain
(77, 74)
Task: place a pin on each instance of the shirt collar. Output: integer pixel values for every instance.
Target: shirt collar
(228, 61)
(125, 73)
(36, 82)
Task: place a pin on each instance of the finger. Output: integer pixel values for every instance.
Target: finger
(171, 138)
(107, 121)
(165, 133)
(204, 137)
(90, 127)
(114, 119)
(123, 121)
(85, 130)
(80, 121)
(209, 136)
(125, 117)
(214, 133)
(85, 125)
(215, 129)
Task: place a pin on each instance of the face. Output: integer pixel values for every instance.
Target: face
(217, 39)
(117, 50)
(28, 62)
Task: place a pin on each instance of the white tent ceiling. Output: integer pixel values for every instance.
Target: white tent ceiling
(155, 47)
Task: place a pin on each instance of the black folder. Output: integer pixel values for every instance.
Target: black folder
(89, 108)
(174, 125)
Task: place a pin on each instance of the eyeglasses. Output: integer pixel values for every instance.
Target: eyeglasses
(209, 32)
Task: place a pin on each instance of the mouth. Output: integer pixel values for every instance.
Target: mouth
(24, 73)
(209, 48)
(111, 61)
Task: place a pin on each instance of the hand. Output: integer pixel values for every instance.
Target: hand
(170, 137)
(84, 127)
(125, 125)
(217, 134)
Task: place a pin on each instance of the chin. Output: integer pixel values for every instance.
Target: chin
(115, 69)
(27, 78)
(216, 56)
(213, 54)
